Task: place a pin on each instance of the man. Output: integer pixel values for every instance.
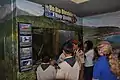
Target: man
(45, 71)
(69, 68)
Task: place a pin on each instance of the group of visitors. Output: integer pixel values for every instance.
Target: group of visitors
(75, 63)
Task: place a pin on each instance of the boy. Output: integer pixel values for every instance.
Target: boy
(45, 71)
(69, 68)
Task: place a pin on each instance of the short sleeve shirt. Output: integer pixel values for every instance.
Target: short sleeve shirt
(102, 70)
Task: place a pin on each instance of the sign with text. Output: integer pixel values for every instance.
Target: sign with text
(61, 14)
(25, 46)
(48, 12)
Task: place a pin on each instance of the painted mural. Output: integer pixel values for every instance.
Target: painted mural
(108, 33)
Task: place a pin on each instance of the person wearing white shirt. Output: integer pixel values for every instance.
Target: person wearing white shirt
(78, 54)
(45, 71)
(69, 68)
(89, 56)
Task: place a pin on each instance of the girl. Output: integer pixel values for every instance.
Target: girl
(102, 69)
(89, 55)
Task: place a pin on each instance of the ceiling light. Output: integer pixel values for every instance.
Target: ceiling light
(79, 1)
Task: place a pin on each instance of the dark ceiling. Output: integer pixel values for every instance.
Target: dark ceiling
(92, 7)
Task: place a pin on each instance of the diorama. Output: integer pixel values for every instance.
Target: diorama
(31, 30)
(28, 36)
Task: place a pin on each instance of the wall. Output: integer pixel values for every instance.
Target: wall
(100, 27)
(7, 41)
(108, 19)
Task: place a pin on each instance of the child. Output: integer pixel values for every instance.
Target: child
(45, 71)
(89, 56)
(102, 69)
(69, 68)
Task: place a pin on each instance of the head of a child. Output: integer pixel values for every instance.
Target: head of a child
(75, 44)
(104, 48)
(46, 59)
(68, 49)
(88, 45)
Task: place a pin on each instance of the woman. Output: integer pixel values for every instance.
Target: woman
(102, 68)
(89, 55)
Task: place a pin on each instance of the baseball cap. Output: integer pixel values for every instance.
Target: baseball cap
(75, 41)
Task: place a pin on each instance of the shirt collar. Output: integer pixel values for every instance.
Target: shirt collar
(69, 57)
(45, 63)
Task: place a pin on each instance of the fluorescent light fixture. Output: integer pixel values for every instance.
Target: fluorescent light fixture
(79, 1)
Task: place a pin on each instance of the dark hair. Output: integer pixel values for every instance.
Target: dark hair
(46, 59)
(62, 47)
(89, 45)
(96, 55)
(119, 56)
(68, 48)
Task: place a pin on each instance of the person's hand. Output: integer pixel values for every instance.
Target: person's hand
(80, 52)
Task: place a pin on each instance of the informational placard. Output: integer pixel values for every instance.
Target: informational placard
(25, 52)
(25, 65)
(25, 40)
(25, 46)
(60, 14)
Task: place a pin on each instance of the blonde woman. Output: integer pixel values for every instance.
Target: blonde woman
(102, 68)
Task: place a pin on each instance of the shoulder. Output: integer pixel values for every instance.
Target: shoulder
(62, 54)
(51, 66)
(90, 52)
(62, 63)
(101, 61)
(38, 68)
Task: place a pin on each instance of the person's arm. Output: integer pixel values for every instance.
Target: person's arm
(80, 56)
(82, 72)
(96, 71)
